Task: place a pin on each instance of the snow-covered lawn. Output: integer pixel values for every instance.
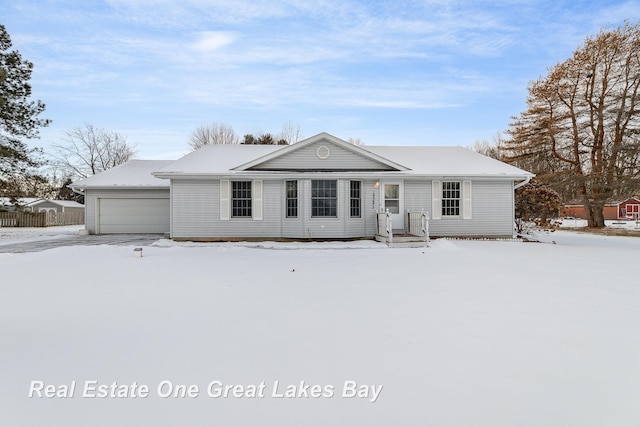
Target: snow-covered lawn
(465, 333)
(581, 223)
(10, 235)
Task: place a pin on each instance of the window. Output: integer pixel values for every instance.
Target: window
(241, 199)
(354, 199)
(324, 198)
(292, 198)
(450, 198)
(392, 198)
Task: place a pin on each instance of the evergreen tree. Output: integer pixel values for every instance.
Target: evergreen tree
(66, 193)
(536, 200)
(581, 130)
(18, 119)
(263, 139)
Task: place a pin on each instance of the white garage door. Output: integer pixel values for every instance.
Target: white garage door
(133, 216)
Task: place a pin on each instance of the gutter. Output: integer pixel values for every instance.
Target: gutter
(76, 190)
(523, 183)
(346, 174)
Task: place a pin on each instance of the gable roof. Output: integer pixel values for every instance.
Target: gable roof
(447, 161)
(215, 159)
(22, 201)
(63, 203)
(234, 159)
(630, 199)
(321, 137)
(133, 174)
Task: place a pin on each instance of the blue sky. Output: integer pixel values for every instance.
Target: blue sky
(397, 72)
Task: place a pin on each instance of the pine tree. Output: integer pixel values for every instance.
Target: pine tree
(581, 130)
(535, 200)
(18, 118)
(65, 192)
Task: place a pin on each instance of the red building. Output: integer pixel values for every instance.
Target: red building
(628, 209)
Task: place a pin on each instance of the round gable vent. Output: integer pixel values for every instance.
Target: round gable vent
(323, 152)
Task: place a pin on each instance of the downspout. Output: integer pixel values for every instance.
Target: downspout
(73, 188)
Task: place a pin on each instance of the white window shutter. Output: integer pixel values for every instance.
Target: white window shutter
(436, 199)
(225, 206)
(256, 205)
(466, 199)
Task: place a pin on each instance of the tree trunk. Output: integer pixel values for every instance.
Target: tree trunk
(596, 215)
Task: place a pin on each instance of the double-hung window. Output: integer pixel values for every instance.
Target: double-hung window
(450, 198)
(354, 198)
(241, 199)
(324, 198)
(292, 198)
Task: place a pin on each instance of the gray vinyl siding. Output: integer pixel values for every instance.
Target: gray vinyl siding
(492, 208)
(417, 195)
(196, 212)
(292, 228)
(370, 206)
(492, 212)
(194, 205)
(91, 196)
(342, 226)
(306, 159)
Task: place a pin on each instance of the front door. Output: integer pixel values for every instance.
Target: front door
(392, 200)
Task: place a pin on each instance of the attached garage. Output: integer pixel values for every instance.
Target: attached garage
(127, 199)
(126, 215)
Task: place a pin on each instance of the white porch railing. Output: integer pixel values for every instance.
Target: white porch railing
(415, 233)
(385, 228)
(418, 224)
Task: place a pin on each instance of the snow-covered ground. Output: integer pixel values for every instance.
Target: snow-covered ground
(581, 223)
(464, 333)
(10, 235)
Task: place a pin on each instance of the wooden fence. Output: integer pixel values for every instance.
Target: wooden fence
(40, 219)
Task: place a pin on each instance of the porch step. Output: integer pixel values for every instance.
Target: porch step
(408, 244)
(404, 241)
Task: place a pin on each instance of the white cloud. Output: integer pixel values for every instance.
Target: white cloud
(210, 41)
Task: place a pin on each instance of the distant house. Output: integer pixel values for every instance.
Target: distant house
(7, 205)
(629, 209)
(34, 212)
(613, 211)
(319, 188)
(47, 205)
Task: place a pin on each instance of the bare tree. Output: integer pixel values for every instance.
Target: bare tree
(89, 150)
(355, 141)
(289, 133)
(491, 148)
(215, 133)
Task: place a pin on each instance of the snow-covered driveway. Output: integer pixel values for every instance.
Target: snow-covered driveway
(465, 333)
(20, 240)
